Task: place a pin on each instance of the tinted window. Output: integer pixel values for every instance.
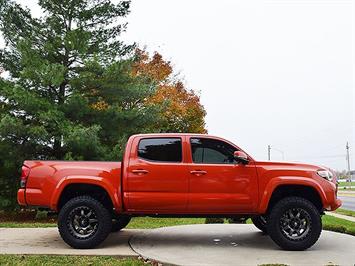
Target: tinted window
(160, 149)
(211, 151)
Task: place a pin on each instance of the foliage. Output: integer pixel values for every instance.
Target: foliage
(72, 90)
(181, 110)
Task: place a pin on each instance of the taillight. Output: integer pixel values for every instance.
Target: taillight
(25, 171)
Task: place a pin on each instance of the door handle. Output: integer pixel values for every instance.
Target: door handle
(140, 171)
(198, 172)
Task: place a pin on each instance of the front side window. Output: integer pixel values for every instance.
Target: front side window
(211, 151)
(160, 149)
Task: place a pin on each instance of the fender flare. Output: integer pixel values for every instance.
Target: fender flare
(276, 182)
(90, 180)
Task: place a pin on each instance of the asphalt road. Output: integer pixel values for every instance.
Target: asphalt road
(348, 202)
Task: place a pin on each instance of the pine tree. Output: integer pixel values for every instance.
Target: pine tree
(68, 91)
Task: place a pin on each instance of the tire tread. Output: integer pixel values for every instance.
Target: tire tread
(273, 224)
(102, 233)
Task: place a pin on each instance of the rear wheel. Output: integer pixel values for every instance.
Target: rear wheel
(294, 223)
(119, 222)
(260, 222)
(84, 222)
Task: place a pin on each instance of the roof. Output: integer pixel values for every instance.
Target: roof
(179, 134)
(171, 134)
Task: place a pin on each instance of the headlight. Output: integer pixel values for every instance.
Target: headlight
(325, 174)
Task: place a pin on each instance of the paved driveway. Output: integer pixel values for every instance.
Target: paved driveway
(213, 244)
(228, 244)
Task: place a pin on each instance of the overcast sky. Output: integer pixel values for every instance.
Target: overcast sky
(268, 72)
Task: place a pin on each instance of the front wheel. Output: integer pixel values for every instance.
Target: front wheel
(294, 223)
(84, 222)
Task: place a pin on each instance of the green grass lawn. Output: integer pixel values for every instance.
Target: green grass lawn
(26, 224)
(335, 224)
(343, 184)
(49, 260)
(345, 212)
(149, 222)
(347, 189)
(136, 223)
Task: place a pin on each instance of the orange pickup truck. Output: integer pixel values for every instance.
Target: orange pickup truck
(181, 175)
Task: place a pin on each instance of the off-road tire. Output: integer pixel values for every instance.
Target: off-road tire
(119, 222)
(275, 223)
(102, 229)
(260, 222)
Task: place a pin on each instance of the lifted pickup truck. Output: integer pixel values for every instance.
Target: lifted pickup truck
(181, 175)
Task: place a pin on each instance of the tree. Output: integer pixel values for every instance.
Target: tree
(60, 67)
(181, 110)
(73, 90)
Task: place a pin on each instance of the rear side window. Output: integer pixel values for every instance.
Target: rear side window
(160, 149)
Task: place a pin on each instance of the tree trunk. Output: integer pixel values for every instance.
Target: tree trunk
(57, 146)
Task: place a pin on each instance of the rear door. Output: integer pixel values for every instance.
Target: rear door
(217, 183)
(157, 180)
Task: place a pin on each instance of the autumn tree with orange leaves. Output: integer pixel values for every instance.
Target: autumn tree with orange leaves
(180, 108)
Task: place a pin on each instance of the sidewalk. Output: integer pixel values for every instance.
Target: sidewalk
(48, 241)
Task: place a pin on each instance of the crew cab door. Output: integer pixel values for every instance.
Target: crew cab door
(156, 175)
(217, 184)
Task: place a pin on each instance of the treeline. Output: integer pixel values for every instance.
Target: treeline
(71, 89)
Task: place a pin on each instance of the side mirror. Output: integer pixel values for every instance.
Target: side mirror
(241, 157)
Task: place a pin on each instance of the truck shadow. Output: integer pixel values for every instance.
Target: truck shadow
(255, 240)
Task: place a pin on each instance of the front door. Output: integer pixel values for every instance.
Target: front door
(217, 184)
(157, 181)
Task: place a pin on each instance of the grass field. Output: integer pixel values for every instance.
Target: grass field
(346, 212)
(30, 260)
(340, 189)
(343, 184)
(148, 222)
(136, 223)
(335, 224)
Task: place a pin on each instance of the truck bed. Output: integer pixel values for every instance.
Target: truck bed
(47, 179)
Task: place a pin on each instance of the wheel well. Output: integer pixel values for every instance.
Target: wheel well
(75, 190)
(306, 192)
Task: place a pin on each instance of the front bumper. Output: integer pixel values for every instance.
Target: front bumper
(334, 205)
